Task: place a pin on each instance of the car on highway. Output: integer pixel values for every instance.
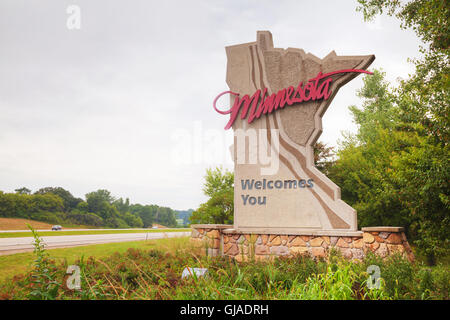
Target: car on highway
(56, 228)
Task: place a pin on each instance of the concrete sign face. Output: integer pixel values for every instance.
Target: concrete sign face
(277, 100)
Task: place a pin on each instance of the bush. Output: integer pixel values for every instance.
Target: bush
(49, 217)
(116, 223)
(84, 218)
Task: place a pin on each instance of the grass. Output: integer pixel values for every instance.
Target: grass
(84, 232)
(152, 270)
(20, 263)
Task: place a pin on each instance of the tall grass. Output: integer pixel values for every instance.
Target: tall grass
(43, 279)
(155, 273)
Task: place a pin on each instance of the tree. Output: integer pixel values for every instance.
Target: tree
(23, 190)
(46, 202)
(423, 110)
(70, 202)
(184, 215)
(146, 213)
(57, 205)
(101, 194)
(132, 220)
(166, 217)
(424, 97)
(82, 206)
(6, 204)
(85, 218)
(122, 206)
(219, 187)
(99, 202)
(393, 175)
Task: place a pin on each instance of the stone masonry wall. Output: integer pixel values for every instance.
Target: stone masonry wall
(223, 240)
(209, 237)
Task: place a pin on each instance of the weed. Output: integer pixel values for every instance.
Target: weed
(155, 273)
(43, 278)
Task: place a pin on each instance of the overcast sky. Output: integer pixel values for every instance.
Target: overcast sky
(125, 102)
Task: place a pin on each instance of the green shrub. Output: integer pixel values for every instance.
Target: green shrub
(84, 218)
(43, 278)
(441, 282)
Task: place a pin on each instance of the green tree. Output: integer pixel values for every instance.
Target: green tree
(100, 202)
(46, 202)
(166, 217)
(423, 110)
(6, 204)
(23, 190)
(70, 202)
(146, 213)
(424, 97)
(132, 220)
(121, 205)
(219, 187)
(393, 175)
(82, 206)
(84, 218)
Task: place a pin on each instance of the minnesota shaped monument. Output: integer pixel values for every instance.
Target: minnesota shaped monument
(286, 92)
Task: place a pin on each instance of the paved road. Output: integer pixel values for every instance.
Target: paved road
(65, 229)
(15, 245)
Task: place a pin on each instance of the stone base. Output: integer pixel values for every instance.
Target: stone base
(242, 245)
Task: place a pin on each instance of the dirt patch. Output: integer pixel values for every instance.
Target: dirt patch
(159, 226)
(21, 224)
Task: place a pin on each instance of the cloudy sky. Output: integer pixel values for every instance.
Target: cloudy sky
(124, 103)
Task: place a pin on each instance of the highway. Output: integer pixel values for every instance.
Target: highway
(24, 244)
(68, 229)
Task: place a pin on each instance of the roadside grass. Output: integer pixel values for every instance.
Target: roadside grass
(79, 226)
(152, 270)
(85, 232)
(21, 263)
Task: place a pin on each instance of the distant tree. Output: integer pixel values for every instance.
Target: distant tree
(46, 202)
(166, 217)
(23, 190)
(132, 220)
(82, 206)
(57, 205)
(122, 206)
(70, 202)
(101, 194)
(115, 222)
(85, 218)
(100, 202)
(219, 187)
(6, 205)
(184, 215)
(146, 213)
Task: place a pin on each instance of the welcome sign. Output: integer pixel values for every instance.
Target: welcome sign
(277, 100)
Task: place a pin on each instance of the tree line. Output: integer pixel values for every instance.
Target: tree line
(56, 205)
